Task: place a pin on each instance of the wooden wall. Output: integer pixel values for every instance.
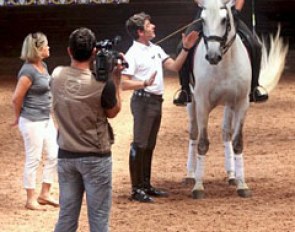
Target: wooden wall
(108, 20)
(271, 12)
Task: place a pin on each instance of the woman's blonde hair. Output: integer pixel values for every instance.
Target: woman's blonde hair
(31, 46)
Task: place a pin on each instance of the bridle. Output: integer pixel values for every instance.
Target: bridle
(221, 39)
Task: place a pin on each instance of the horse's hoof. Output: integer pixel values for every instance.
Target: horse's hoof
(232, 182)
(198, 194)
(245, 193)
(189, 180)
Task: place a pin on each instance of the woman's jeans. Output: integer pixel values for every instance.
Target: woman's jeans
(36, 136)
(92, 175)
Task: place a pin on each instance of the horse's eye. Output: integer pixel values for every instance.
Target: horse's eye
(223, 21)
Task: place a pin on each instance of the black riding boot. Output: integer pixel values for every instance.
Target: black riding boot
(136, 156)
(147, 167)
(184, 95)
(258, 94)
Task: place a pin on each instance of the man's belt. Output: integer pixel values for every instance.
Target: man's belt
(142, 93)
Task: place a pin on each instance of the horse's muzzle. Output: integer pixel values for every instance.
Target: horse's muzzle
(214, 60)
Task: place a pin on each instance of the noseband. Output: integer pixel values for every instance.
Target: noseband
(221, 39)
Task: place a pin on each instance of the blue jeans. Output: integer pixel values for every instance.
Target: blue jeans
(92, 175)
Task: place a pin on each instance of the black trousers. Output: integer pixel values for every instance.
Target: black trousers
(147, 115)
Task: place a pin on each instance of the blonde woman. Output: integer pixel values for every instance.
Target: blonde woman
(32, 105)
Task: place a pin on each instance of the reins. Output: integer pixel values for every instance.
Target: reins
(222, 40)
(179, 30)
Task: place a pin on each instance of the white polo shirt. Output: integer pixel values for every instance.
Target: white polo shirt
(143, 61)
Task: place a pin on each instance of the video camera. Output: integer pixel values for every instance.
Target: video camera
(107, 58)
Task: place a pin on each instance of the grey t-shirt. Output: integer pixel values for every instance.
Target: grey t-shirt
(37, 102)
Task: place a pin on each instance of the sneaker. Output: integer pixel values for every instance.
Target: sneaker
(182, 99)
(258, 95)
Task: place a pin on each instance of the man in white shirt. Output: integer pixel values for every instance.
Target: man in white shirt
(145, 77)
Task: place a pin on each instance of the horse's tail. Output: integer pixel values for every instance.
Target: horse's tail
(272, 62)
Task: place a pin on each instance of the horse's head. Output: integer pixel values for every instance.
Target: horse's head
(217, 20)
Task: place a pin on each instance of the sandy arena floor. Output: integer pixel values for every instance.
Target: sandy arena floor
(269, 159)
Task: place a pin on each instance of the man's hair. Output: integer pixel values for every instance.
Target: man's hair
(81, 43)
(135, 23)
(31, 46)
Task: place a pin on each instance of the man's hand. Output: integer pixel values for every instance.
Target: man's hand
(118, 69)
(190, 40)
(151, 80)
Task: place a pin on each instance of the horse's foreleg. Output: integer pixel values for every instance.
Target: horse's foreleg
(203, 146)
(193, 133)
(229, 162)
(242, 187)
(191, 161)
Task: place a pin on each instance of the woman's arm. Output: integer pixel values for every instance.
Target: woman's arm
(23, 84)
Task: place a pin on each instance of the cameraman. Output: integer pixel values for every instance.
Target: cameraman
(82, 105)
(145, 77)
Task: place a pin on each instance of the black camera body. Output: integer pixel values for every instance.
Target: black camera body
(106, 58)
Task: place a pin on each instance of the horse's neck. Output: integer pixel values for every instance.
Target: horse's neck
(233, 31)
(237, 49)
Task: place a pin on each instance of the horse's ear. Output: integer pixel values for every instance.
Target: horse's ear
(200, 3)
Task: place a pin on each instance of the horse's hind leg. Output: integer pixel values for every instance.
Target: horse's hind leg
(193, 133)
(229, 162)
